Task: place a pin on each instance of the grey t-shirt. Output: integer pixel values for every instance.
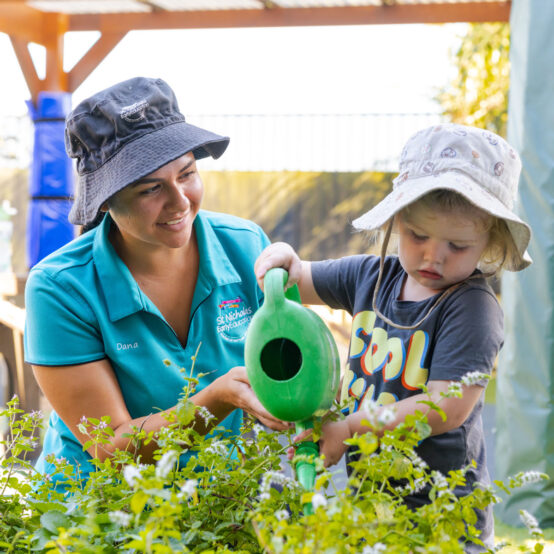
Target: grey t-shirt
(463, 334)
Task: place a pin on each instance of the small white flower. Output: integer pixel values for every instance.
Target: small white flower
(281, 515)
(372, 410)
(531, 477)
(529, 521)
(274, 478)
(217, 447)
(454, 389)
(318, 501)
(84, 419)
(36, 413)
(123, 519)
(440, 482)
(416, 486)
(473, 378)
(377, 548)
(386, 415)
(188, 489)
(131, 474)
(101, 425)
(257, 428)
(417, 461)
(205, 414)
(165, 463)
(264, 496)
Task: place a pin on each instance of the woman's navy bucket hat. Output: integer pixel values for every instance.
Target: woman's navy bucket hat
(124, 133)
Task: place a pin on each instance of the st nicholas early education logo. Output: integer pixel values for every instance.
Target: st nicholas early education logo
(233, 319)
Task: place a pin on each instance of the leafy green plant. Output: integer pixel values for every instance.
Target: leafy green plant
(232, 494)
(478, 94)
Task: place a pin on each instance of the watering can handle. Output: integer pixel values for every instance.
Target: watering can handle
(274, 288)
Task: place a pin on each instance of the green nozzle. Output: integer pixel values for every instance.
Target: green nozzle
(305, 469)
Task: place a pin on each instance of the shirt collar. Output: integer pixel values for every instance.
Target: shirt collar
(121, 291)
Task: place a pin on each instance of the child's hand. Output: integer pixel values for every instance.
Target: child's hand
(279, 254)
(331, 444)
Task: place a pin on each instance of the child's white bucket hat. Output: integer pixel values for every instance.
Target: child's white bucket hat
(475, 163)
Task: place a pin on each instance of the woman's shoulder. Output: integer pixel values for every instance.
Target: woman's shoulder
(74, 255)
(223, 221)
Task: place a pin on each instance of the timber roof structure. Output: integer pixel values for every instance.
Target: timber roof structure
(46, 21)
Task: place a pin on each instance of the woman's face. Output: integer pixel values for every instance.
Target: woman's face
(159, 209)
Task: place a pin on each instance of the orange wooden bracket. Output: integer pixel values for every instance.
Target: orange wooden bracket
(25, 25)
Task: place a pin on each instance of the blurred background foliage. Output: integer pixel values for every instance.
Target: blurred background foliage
(312, 211)
(478, 94)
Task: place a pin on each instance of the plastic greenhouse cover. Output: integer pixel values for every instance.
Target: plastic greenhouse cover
(525, 437)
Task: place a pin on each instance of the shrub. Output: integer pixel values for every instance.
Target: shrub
(232, 495)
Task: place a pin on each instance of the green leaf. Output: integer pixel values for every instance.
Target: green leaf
(138, 501)
(54, 520)
(43, 507)
(502, 486)
(41, 537)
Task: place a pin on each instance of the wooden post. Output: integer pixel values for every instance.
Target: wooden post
(12, 325)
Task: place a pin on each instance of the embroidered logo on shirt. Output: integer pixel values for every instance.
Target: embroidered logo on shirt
(233, 319)
(230, 303)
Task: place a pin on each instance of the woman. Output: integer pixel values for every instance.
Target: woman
(152, 281)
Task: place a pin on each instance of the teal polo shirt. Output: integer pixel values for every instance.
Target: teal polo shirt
(83, 305)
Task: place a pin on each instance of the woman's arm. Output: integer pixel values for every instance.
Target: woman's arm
(92, 390)
(281, 254)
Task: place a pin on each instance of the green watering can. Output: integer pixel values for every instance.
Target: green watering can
(292, 363)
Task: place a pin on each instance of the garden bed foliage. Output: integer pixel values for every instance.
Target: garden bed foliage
(234, 496)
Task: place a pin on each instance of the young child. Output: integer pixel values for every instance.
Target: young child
(426, 315)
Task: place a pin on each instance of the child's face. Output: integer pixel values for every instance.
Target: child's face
(438, 249)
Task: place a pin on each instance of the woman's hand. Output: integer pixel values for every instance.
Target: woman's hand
(331, 444)
(238, 392)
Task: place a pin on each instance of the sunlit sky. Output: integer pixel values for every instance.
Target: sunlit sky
(354, 69)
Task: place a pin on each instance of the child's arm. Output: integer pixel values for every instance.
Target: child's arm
(457, 410)
(281, 254)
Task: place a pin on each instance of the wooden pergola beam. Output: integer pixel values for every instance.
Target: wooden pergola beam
(19, 19)
(20, 47)
(88, 63)
(55, 27)
(290, 17)
(24, 25)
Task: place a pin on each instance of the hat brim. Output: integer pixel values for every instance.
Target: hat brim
(406, 194)
(139, 158)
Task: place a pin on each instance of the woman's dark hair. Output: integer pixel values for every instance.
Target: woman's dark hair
(94, 223)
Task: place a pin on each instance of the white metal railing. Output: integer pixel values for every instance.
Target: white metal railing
(294, 142)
